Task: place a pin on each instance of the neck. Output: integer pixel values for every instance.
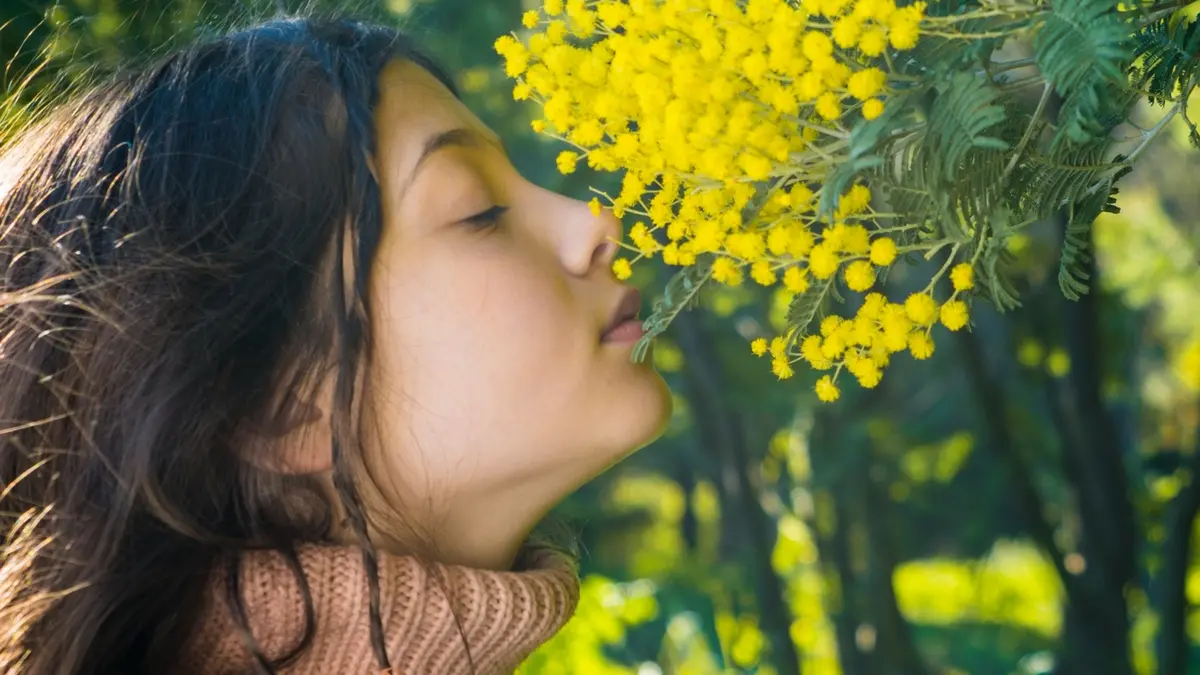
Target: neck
(485, 534)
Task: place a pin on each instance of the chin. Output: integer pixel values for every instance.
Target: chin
(646, 410)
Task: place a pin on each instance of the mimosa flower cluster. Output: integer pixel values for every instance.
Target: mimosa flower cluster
(726, 117)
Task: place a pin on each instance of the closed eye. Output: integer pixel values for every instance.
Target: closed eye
(486, 219)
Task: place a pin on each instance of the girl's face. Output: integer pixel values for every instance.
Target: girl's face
(496, 389)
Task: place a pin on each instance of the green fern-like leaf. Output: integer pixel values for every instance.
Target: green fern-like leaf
(840, 180)
(995, 260)
(902, 185)
(679, 295)
(1090, 113)
(867, 149)
(1076, 247)
(1080, 40)
(995, 280)
(1167, 57)
(807, 306)
(965, 112)
(1083, 49)
(1078, 116)
(938, 55)
(1051, 183)
(1072, 277)
(914, 183)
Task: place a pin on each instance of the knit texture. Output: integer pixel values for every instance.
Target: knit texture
(504, 616)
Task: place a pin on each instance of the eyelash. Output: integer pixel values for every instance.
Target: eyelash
(487, 219)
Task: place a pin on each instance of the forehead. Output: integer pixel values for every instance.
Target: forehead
(414, 106)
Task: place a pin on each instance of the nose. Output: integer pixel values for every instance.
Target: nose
(587, 242)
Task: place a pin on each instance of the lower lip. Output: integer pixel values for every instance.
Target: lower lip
(625, 332)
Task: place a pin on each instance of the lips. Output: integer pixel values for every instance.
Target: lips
(624, 325)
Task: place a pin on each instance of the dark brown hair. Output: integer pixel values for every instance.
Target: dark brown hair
(172, 257)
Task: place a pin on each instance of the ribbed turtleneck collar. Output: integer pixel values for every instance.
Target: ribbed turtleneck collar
(433, 615)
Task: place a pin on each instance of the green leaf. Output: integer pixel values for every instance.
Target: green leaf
(1083, 49)
(966, 109)
(679, 295)
(840, 180)
(995, 262)
(1080, 40)
(1185, 15)
(807, 305)
(1076, 248)
(866, 138)
(1051, 183)
(1072, 278)
(1167, 58)
(1090, 113)
(937, 56)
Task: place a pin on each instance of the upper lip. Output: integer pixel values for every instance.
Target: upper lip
(627, 308)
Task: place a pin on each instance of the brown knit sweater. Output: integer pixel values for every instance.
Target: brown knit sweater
(504, 615)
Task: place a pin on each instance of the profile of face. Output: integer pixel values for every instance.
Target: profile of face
(497, 385)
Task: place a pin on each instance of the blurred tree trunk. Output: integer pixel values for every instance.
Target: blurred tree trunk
(835, 546)
(1096, 624)
(895, 653)
(1172, 601)
(1095, 639)
(721, 432)
(849, 470)
(988, 391)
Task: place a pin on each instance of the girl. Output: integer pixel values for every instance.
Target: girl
(293, 362)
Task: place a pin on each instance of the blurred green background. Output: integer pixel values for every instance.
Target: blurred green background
(1022, 503)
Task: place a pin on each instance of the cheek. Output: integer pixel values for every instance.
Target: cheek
(476, 345)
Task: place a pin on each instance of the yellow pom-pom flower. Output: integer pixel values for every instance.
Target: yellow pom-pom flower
(829, 106)
(726, 271)
(762, 273)
(883, 251)
(826, 390)
(962, 277)
(904, 34)
(920, 309)
(866, 83)
(566, 161)
(920, 345)
(759, 346)
(873, 42)
(822, 261)
(846, 31)
(794, 280)
(622, 269)
(860, 275)
(872, 108)
(782, 369)
(954, 314)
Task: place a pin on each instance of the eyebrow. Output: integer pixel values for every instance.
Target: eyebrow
(460, 137)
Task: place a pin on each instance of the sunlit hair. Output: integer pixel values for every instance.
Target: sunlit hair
(185, 253)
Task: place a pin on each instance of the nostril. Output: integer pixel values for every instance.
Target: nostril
(604, 252)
